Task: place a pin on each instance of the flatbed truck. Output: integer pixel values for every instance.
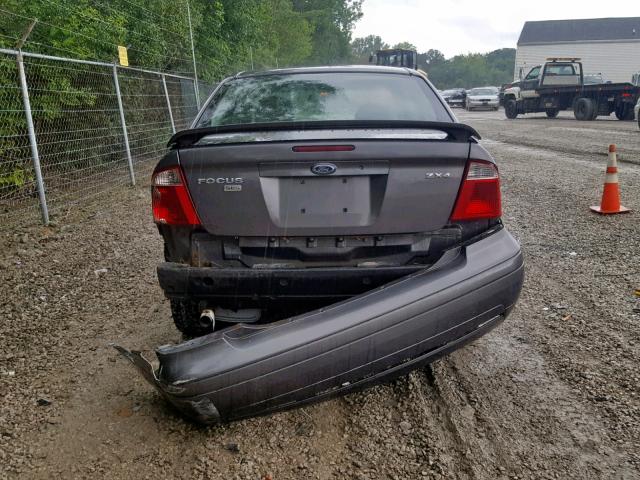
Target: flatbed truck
(558, 84)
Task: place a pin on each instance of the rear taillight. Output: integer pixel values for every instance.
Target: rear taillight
(479, 195)
(170, 199)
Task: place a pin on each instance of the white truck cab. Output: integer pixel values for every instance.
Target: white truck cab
(556, 71)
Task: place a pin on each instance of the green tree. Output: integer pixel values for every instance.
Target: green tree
(362, 48)
(331, 22)
(430, 59)
(286, 35)
(473, 70)
(405, 46)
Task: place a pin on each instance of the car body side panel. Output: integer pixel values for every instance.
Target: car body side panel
(248, 370)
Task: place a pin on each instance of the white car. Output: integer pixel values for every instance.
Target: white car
(483, 97)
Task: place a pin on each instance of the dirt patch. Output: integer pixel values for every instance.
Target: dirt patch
(552, 393)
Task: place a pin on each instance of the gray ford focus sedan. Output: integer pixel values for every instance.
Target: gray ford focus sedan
(325, 229)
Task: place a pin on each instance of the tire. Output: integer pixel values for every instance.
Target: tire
(510, 109)
(186, 316)
(618, 113)
(552, 112)
(583, 109)
(624, 112)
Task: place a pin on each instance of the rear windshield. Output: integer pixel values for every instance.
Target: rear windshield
(482, 91)
(560, 70)
(307, 97)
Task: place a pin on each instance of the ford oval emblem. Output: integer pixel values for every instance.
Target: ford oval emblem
(324, 168)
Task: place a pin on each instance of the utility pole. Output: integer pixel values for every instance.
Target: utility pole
(193, 55)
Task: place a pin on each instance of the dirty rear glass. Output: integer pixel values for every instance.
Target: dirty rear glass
(483, 91)
(307, 97)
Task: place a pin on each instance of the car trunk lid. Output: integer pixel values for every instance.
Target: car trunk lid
(384, 182)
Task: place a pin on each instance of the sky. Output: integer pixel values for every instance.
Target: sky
(464, 26)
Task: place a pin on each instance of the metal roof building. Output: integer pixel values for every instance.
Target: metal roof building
(610, 46)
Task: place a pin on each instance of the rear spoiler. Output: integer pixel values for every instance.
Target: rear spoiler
(458, 132)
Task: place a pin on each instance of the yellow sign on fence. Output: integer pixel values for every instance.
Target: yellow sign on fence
(124, 58)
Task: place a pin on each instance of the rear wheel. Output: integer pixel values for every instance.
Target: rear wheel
(186, 316)
(552, 112)
(511, 109)
(583, 109)
(624, 111)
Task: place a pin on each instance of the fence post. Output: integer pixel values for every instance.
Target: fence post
(32, 139)
(124, 124)
(166, 95)
(193, 55)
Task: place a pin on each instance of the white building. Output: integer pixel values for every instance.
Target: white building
(610, 46)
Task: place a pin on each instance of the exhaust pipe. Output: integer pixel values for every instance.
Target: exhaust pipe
(208, 319)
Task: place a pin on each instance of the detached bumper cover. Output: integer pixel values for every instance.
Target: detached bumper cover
(249, 370)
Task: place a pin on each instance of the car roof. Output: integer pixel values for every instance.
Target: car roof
(331, 69)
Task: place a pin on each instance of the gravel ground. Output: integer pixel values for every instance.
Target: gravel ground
(552, 393)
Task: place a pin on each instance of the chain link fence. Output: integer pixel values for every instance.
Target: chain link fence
(17, 179)
(95, 126)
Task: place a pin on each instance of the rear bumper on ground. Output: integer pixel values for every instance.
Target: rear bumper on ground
(249, 370)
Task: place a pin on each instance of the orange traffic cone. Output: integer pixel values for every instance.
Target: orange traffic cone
(610, 203)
